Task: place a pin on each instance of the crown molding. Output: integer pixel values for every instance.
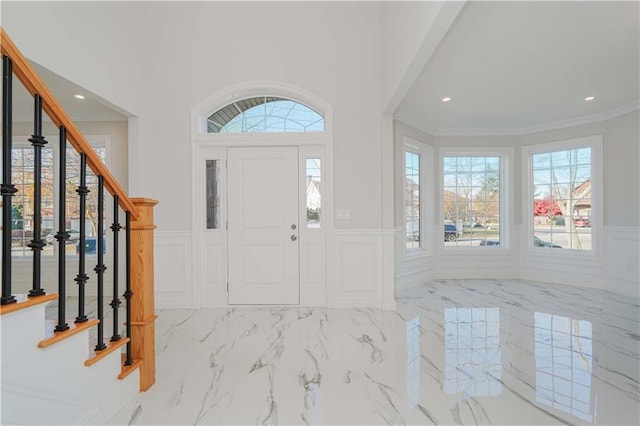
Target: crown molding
(578, 121)
(561, 124)
(410, 122)
(476, 132)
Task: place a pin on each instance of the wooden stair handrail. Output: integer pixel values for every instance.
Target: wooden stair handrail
(32, 82)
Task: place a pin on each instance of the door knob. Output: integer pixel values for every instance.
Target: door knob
(293, 238)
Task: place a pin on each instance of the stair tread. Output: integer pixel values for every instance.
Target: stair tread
(73, 329)
(128, 369)
(111, 347)
(23, 301)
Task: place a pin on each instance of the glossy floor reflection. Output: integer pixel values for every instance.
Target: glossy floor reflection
(455, 352)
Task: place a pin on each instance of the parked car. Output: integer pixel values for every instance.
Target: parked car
(91, 245)
(73, 236)
(472, 225)
(451, 233)
(537, 242)
(489, 243)
(582, 222)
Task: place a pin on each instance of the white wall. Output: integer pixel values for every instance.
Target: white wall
(622, 187)
(404, 28)
(96, 45)
(402, 130)
(622, 177)
(419, 267)
(158, 60)
(328, 49)
(622, 205)
(503, 261)
(616, 269)
(411, 32)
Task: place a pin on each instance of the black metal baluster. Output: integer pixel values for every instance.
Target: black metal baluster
(128, 293)
(37, 243)
(115, 303)
(62, 236)
(100, 267)
(7, 188)
(82, 278)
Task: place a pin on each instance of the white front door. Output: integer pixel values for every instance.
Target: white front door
(263, 225)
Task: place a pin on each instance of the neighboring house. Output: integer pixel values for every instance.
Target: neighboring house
(583, 207)
(313, 194)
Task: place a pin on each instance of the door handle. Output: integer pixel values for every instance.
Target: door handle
(293, 238)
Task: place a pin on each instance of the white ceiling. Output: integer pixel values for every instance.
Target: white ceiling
(510, 68)
(92, 108)
(518, 67)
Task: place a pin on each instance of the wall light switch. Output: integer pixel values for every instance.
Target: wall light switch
(343, 214)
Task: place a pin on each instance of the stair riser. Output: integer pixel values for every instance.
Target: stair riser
(55, 379)
(12, 327)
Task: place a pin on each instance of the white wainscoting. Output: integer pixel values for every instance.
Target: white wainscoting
(313, 266)
(411, 268)
(623, 258)
(415, 271)
(499, 262)
(544, 264)
(561, 266)
(388, 270)
(173, 269)
(212, 276)
(358, 268)
(476, 263)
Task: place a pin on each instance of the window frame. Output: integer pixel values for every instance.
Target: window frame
(505, 155)
(95, 141)
(304, 157)
(425, 156)
(218, 177)
(242, 113)
(410, 150)
(595, 142)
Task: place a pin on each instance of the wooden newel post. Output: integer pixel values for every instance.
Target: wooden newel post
(143, 316)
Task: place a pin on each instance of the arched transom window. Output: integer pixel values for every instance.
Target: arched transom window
(265, 114)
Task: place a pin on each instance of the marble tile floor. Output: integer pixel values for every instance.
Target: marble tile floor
(455, 352)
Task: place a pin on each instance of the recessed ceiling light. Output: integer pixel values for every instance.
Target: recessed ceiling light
(79, 96)
(447, 99)
(589, 98)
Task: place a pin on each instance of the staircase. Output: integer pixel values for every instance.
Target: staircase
(52, 384)
(63, 370)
